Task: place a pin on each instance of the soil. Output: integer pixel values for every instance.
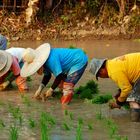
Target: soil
(15, 28)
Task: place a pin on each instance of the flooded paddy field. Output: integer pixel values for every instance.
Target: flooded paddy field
(29, 119)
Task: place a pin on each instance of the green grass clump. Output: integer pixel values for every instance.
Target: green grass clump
(32, 123)
(90, 127)
(79, 129)
(26, 100)
(101, 99)
(44, 126)
(66, 126)
(87, 91)
(16, 113)
(2, 124)
(13, 133)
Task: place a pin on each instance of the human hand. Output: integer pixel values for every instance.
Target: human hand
(113, 104)
(49, 93)
(39, 90)
(4, 85)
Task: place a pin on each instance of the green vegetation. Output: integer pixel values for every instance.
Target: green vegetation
(46, 123)
(79, 130)
(32, 123)
(26, 100)
(44, 127)
(64, 19)
(87, 91)
(66, 126)
(2, 124)
(13, 133)
(100, 99)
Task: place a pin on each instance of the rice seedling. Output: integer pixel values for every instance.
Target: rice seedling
(66, 126)
(101, 99)
(46, 121)
(2, 124)
(66, 112)
(32, 123)
(79, 130)
(26, 100)
(16, 113)
(51, 121)
(118, 137)
(99, 115)
(44, 127)
(71, 115)
(87, 91)
(13, 133)
(113, 130)
(80, 121)
(90, 127)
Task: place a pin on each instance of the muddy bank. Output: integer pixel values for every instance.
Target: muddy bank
(44, 33)
(15, 28)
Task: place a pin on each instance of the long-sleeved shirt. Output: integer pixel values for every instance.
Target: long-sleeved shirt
(124, 71)
(66, 61)
(17, 52)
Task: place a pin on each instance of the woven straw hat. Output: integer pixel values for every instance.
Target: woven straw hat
(34, 59)
(5, 62)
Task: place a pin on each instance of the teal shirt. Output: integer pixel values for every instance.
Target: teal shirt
(63, 60)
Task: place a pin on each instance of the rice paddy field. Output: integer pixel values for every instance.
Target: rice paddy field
(24, 118)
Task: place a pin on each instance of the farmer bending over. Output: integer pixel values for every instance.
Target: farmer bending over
(10, 69)
(67, 65)
(125, 71)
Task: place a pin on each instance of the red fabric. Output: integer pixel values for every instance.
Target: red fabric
(65, 99)
(15, 68)
(68, 91)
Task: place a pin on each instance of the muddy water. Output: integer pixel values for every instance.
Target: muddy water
(78, 109)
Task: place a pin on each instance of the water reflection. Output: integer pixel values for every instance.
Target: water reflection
(94, 48)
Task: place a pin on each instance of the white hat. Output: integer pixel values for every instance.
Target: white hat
(5, 62)
(34, 59)
(95, 66)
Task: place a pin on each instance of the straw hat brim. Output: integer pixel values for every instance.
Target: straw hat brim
(8, 64)
(3, 59)
(41, 55)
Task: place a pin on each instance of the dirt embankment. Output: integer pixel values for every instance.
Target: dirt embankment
(15, 28)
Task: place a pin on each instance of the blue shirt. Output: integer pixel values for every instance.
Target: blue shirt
(64, 60)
